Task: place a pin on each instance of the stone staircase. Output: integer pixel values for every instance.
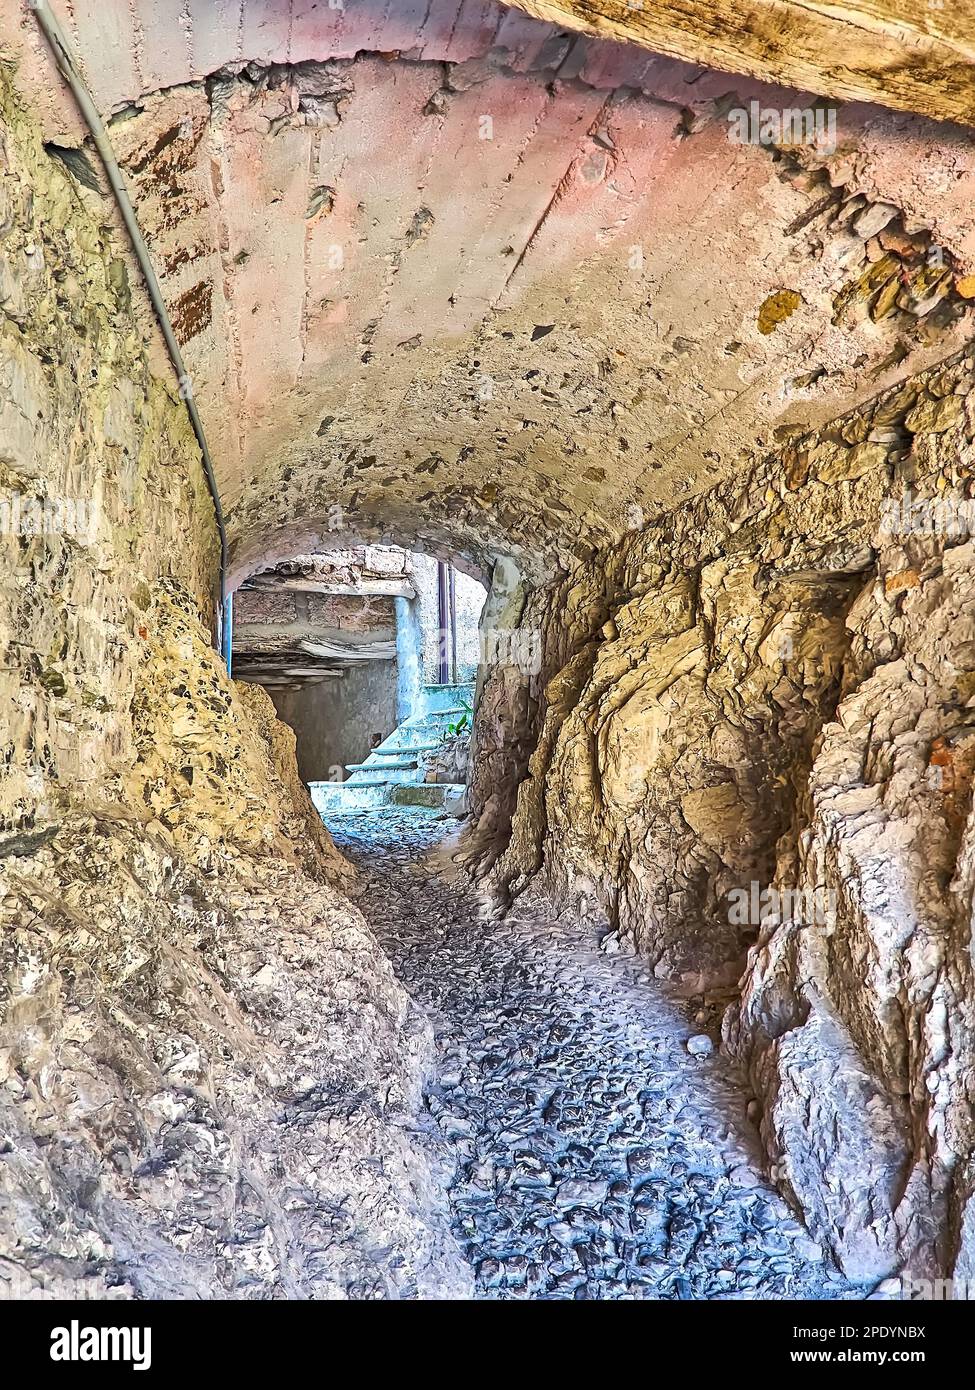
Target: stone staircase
(392, 773)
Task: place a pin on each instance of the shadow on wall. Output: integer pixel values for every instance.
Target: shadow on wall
(339, 721)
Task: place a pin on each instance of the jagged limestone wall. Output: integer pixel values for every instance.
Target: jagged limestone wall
(775, 686)
(860, 1033)
(207, 1067)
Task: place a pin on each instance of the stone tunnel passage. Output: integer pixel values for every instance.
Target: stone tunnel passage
(677, 362)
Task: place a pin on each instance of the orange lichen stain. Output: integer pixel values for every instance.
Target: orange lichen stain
(777, 308)
(965, 286)
(903, 579)
(950, 769)
(940, 753)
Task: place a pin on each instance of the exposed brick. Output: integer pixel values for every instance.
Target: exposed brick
(253, 606)
(351, 613)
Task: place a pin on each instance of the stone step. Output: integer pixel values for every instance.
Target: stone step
(409, 749)
(436, 696)
(449, 796)
(383, 765)
(358, 798)
(335, 797)
(359, 781)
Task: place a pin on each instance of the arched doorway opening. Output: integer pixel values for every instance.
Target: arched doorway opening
(371, 655)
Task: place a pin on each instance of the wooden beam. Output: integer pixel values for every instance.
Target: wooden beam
(289, 677)
(366, 588)
(348, 651)
(266, 668)
(901, 53)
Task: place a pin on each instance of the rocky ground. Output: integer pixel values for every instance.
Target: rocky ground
(596, 1156)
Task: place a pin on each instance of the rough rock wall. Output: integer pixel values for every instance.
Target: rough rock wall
(100, 487)
(506, 700)
(860, 1032)
(772, 687)
(208, 1072)
(450, 761)
(211, 1075)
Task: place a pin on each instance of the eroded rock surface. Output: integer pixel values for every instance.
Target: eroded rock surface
(210, 1075)
(775, 686)
(209, 1086)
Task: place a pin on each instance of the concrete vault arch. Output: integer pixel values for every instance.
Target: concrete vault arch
(487, 278)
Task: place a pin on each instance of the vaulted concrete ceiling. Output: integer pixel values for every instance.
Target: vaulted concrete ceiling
(450, 275)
